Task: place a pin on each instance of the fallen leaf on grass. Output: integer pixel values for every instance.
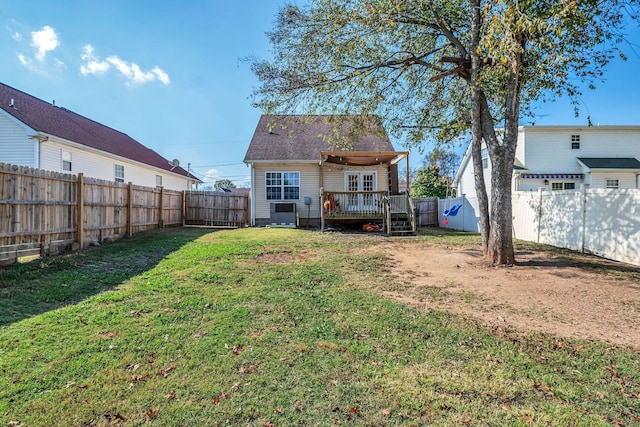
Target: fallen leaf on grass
(111, 418)
(151, 413)
(216, 399)
(170, 395)
(269, 424)
(167, 370)
(386, 413)
(247, 369)
(328, 345)
(277, 410)
(237, 349)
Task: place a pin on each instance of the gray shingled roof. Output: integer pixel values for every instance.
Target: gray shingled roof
(49, 119)
(300, 138)
(610, 162)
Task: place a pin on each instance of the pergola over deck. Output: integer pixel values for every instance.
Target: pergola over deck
(377, 206)
(363, 158)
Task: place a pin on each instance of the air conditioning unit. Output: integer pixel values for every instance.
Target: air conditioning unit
(283, 215)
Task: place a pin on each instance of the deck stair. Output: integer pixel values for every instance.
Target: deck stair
(401, 219)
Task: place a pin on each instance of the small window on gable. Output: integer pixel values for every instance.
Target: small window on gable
(612, 183)
(575, 142)
(158, 180)
(66, 161)
(118, 172)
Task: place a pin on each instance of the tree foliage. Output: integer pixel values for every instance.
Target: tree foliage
(223, 183)
(429, 182)
(419, 65)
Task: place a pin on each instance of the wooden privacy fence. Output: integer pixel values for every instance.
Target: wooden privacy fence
(427, 211)
(210, 208)
(40, 211)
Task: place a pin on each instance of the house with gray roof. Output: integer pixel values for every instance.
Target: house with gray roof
(565, 158)
(39, 134)
(309, 170)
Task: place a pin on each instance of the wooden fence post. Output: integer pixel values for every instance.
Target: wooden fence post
(184, 207)
(161, 208)
(80, 208)
(130, 210)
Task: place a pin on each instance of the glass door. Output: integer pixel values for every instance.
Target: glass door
(359, 182)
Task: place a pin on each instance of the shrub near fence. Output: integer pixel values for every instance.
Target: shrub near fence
(40, 211)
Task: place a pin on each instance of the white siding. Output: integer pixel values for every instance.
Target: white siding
(333, 176)
(309, 187)
(96, 165)
(549, 150)
(467, 183)
(15, 145)
(626, 180)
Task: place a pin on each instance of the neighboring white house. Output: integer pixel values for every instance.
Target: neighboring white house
(564, 157)
(41, 135)
(294, 169)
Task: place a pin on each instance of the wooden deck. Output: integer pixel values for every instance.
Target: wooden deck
(394, 214)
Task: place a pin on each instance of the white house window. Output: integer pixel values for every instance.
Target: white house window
(158, 180)
(563, 186)
(485, 158)
(575, 142)
(612, 183)
(282, 185)
(66, 161)
(118, 172)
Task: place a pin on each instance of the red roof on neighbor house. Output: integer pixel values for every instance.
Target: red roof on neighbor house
(47, 118)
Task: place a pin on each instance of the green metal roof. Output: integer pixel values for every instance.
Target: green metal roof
(610, 162)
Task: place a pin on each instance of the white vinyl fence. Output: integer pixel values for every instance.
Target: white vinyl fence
(598, 221)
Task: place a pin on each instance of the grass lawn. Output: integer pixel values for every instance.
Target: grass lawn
(276, 327)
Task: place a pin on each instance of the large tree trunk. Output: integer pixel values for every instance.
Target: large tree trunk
(500, 250)
(476, 126)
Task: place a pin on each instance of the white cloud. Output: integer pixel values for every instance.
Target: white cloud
(44, 41)
(162, 76)
(24, 60)
(212, 175)
(92, 65)
(130, 71)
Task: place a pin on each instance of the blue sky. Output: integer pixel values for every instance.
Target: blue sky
(170, 73)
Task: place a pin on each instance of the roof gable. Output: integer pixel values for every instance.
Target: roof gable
(60, 122)
(302, 137)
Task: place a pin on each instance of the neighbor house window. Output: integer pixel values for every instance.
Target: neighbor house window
(485, 158)
(575, 142)
(118, 173)
(612, 183)
(283, 185)
(563, 186)
(158, 180)
(66, 161)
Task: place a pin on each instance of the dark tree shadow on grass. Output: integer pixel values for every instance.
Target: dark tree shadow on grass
(42, 285)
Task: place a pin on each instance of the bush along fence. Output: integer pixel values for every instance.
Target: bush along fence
(40, 211)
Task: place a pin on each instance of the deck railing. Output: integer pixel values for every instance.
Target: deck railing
(353, 204)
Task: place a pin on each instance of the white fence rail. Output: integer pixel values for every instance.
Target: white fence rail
(598, 221)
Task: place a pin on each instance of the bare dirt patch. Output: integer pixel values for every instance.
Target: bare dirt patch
(541, 293)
